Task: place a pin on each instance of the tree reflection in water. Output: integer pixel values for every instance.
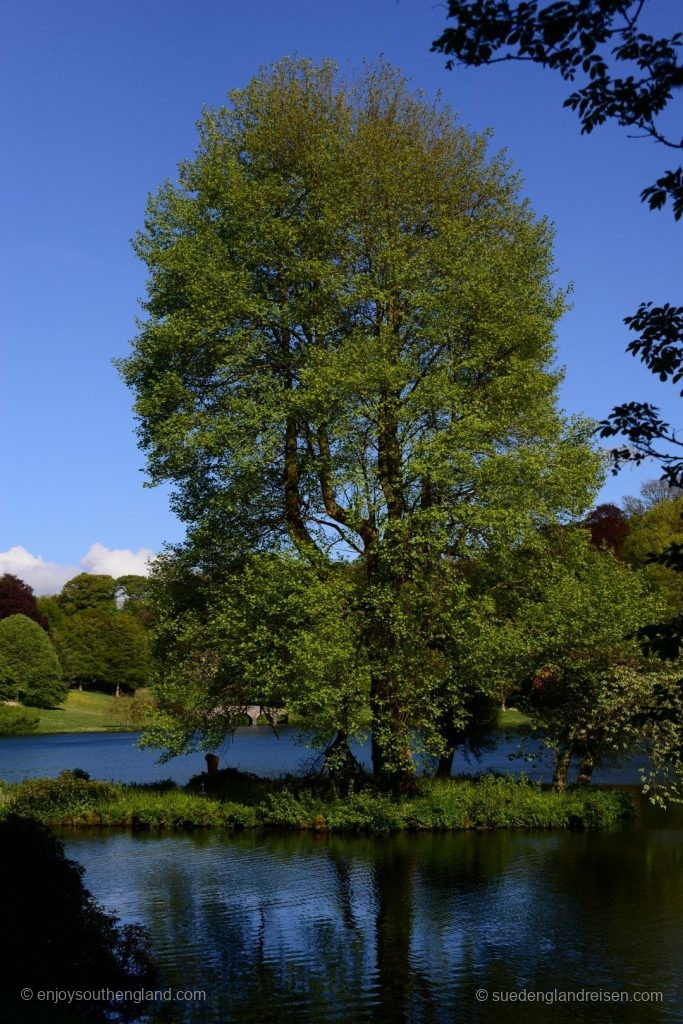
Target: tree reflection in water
(406, 929)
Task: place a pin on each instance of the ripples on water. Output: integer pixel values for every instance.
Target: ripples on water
(403, 929)
(287, 928)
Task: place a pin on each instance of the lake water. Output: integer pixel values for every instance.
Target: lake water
(404, 930)
(116, 756)
(287, 928)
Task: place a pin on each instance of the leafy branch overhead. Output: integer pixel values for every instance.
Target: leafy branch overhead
(629, 76)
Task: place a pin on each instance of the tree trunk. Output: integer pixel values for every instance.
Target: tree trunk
(118, 690)
(586, 767)
(392, 759)
(562, 769)
(342, 766)
(452, 738)
(444, 769)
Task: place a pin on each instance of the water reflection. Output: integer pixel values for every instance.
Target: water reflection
(317, 929)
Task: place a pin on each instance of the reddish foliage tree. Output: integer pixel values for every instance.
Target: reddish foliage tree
(608, 527)
(17, 598)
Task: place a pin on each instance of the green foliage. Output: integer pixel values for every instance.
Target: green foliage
(88, 591)
(488, 802)
(651, 493)
(630, 77)
(348, 348)
(132, 712)
(71, 798)
(103, 650)
(8, 679)
(272, 633)
(133, 592)
(651, 532)
(591, 682)
(51, 610)
(32, 663)
(17, 721)
(663, 724)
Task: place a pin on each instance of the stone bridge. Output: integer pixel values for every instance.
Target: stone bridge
(255, 711)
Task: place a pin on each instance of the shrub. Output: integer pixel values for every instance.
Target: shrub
(17, 721)
(63, 800)
(488, 802)
(33, 664)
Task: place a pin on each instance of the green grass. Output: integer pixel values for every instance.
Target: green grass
(239, 801)
(512, 719)
(82, 711)
(86, 711)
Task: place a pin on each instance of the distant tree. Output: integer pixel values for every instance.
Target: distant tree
(132, 712)
(608, 527)
(133, 593)
(17, 598)
(8, 682)
(103, 651)
(88, 591)
(17, 721)
(652, 533)
(32, 661)
(57, 935)
(51, 610)
(128, 656)
(651, 493)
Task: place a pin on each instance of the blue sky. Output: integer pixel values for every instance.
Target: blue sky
(100, 104)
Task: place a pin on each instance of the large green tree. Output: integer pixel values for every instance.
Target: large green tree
(88, 590)
(32, 672)
(132, 594)
(51, 610)
(101, 650)
(348, 351)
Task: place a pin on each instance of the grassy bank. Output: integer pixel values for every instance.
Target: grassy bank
(82, 711)
(512, 720)
(86, 711)
(240, 801)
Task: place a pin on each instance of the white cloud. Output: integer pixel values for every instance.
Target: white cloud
(50, 577)
(44, 577)
(116, 561)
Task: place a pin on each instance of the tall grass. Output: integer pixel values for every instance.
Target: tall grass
(490, 802)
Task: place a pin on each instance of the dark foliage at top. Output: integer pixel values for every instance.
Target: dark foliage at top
(17, 598)
(659, 346)
(588, 38)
